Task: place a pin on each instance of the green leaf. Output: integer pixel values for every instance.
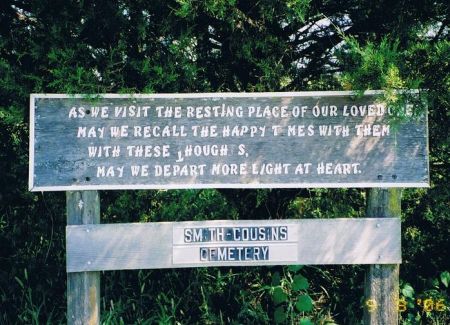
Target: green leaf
(279, 295)
(276, 279)
(445, 278)
(295, 268)
(279, 315)
(408, 291)
(300, 283)
(304, 303)
(19, 281)
(306, 321)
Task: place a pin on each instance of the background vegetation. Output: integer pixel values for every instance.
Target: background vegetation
(148, 46)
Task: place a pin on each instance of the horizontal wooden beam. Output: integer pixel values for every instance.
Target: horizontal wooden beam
(223, 140)
(233, 243)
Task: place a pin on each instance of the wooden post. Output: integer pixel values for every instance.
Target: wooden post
(83, 288)
(382, 281)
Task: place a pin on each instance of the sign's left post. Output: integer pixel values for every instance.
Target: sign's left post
(83, 288)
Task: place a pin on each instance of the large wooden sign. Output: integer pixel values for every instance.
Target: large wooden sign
(223, 140)
(227, 243)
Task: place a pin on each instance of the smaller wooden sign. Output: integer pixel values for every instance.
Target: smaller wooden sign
(224, 242)
(233, 243)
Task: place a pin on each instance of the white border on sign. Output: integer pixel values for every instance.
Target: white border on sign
(227, 186)
(31, 144)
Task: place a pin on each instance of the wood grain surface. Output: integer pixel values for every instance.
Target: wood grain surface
(263, 140)
(152, 245)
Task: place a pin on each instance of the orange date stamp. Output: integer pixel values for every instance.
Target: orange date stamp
(426, 304)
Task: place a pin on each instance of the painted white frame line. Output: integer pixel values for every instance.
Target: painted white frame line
(31, 144)
(226, 186)
(33, 97)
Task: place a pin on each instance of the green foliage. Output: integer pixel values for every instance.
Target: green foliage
(407, 291)
(278, 295)
(279, 315)
(299, 283)
(431, 306)
(306, 321)
(289, 292)
(377, 65)
(304, 303)
(219, 45)
(445, 278)
(299, 9)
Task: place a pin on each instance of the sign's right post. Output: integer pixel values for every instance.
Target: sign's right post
(382, 281)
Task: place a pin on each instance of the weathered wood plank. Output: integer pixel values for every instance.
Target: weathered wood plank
(382, 281)
(83, 288)
(254, 140)
(172, 245)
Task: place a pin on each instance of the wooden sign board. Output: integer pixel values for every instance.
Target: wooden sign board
(222, 140)
(232, 243)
